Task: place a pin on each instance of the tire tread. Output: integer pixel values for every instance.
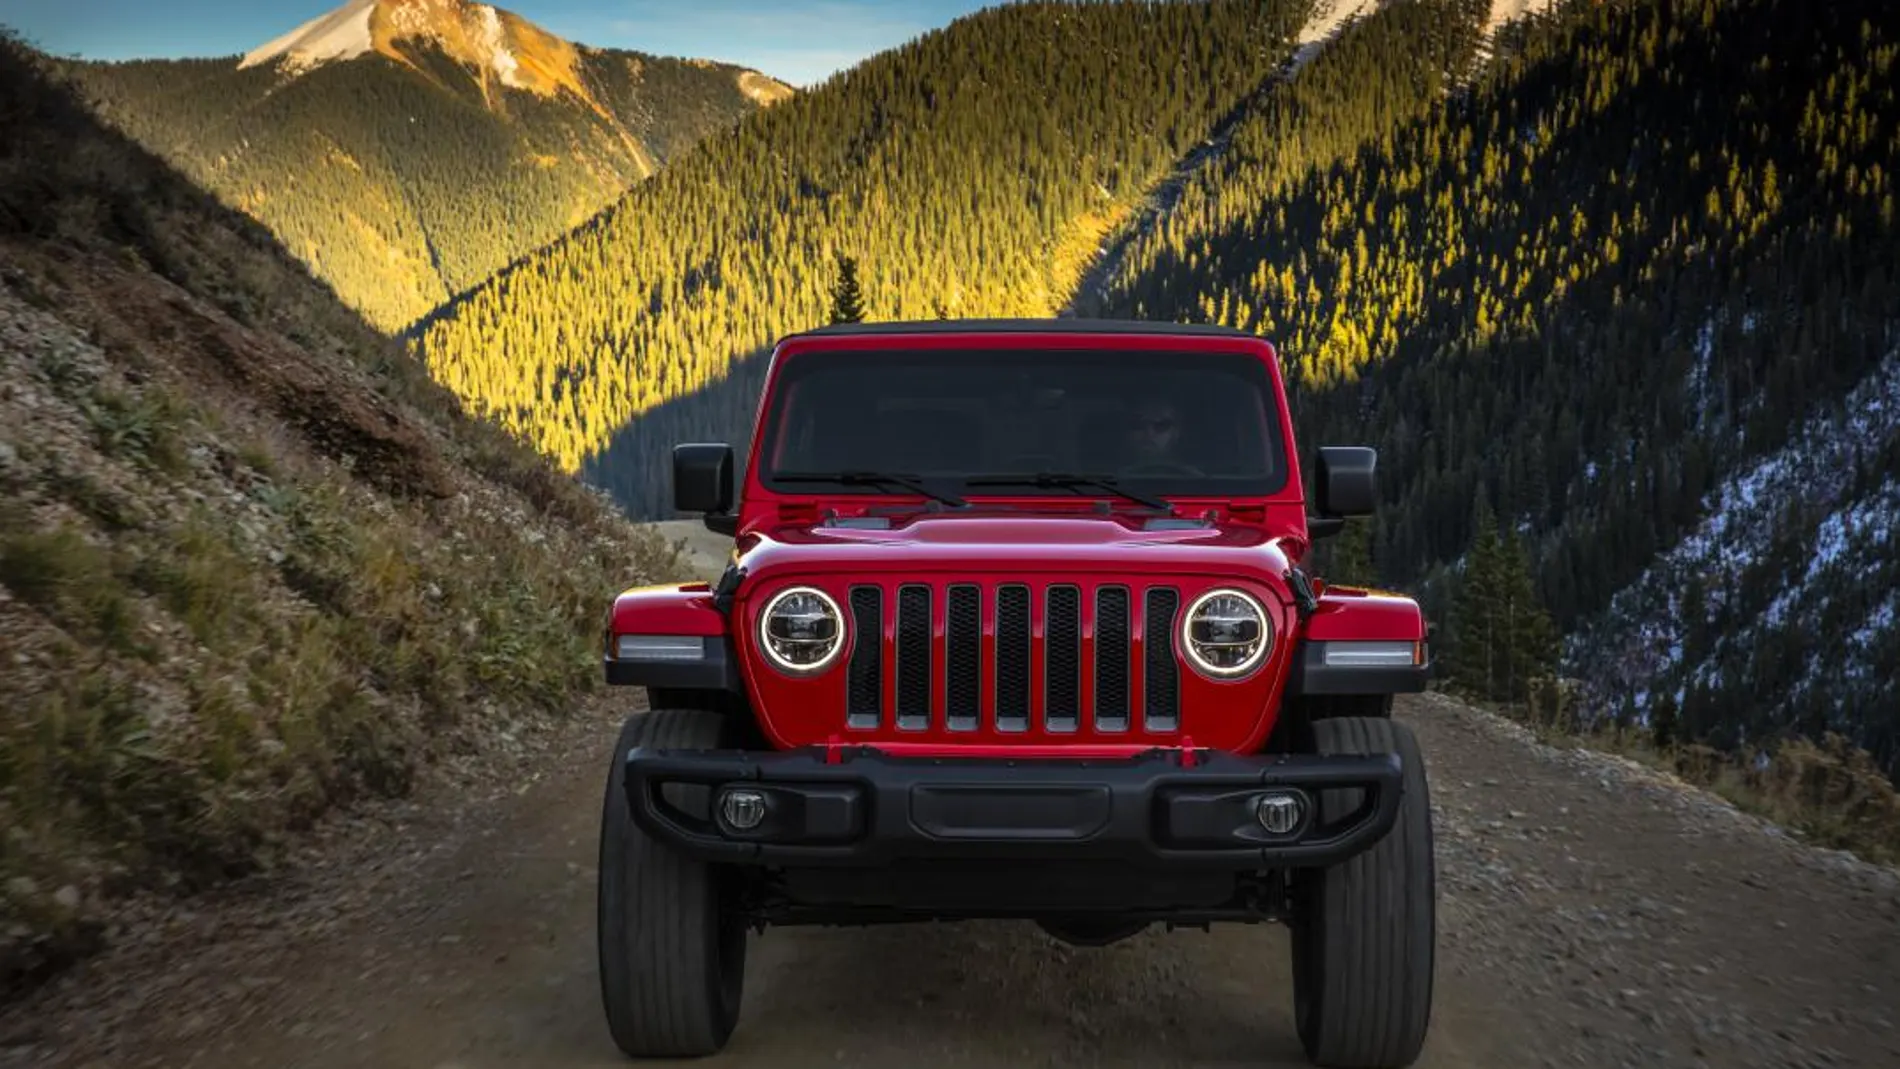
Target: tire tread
(1371, 1005)
(662, 980)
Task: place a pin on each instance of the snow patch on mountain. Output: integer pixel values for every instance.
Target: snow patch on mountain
(341, 34)
(1328, 20)
(1502, 14)
(496, 46)
(471, 32)
(1503, 11)
(1786, 544)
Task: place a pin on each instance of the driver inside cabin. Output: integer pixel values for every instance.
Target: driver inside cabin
(1154, 431)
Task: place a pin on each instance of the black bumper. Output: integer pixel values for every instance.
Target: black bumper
(869, 808)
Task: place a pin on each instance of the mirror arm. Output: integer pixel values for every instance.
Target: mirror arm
(725, 523)
(1318, 527)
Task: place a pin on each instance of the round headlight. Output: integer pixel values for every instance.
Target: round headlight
(1226, 633)
(801, 629)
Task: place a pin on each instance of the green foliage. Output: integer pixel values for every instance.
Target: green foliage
(1532, 291)
(847, 303)
(141, 427)
(202, 658)
(1584, 284)
(960, 173)
(1502, 639)
(1349, 560)
(402, 184)
(43, 566)
(1471, 664)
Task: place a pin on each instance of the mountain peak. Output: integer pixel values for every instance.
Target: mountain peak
(494, 42)
(341, 34)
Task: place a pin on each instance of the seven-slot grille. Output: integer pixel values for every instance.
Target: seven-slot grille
(1000, 695)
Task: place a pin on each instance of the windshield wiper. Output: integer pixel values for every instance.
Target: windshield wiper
(870, 478)
(1068, 480)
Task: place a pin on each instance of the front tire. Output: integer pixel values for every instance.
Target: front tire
(672, 941)
(1364, 931)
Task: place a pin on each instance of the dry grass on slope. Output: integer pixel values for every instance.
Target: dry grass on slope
(1830, 792)
(253, 563)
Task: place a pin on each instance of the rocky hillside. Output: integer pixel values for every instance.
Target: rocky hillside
(407, 149)
(253, 564)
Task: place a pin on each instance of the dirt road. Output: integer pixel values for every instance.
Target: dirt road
(1592, 914)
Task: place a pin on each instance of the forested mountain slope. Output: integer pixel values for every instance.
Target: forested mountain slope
(408, 149)
(961, 171)
(253, 563)
(1631, 271)
(1371, 63)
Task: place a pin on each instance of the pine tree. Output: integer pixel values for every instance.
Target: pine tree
(1527, 640)
(847, 303)
(1350, 562)
(1474, 622)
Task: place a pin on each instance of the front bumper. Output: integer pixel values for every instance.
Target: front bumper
(856, 806)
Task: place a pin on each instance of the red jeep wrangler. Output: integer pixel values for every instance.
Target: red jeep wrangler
(1015, 626)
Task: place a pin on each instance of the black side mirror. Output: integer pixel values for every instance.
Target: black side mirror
(702, 482)
(1346, 486)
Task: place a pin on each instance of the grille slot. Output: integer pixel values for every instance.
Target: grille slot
(963, 658)
(864, 701)
(1111, 658)
(1012, 657)
(1160, 682)
(1062, 658)
(913, 657)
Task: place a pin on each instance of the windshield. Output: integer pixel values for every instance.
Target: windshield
(1154, 422)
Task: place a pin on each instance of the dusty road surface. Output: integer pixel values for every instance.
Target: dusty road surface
(1591, 914)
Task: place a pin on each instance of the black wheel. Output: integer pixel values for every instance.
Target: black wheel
(1364, 931)
(672, 940)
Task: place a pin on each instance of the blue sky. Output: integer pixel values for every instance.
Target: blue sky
(800, 41)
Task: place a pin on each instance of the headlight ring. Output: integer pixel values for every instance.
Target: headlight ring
(1226, 633)
(801, 630)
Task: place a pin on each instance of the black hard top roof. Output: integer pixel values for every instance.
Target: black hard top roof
(1027, 326)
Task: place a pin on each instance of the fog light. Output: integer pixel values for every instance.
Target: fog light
(1279, 812)
(742, 810)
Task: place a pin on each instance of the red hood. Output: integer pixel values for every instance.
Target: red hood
(1006, 543)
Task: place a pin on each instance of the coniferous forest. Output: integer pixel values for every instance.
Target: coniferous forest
(403, 183)
(960, 175)
(1612, 290)
(1607, 289)
(1589, 271)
